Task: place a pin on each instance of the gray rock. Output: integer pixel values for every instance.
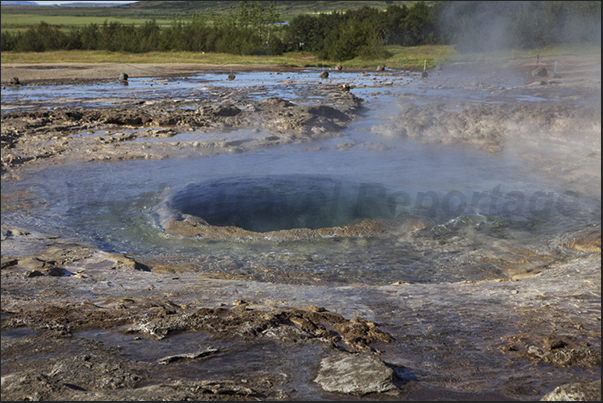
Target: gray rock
(218, 110)
(274, 102)
(205, 110)
(123, 77)
(380, 68)
(424, 74)
(231, 77)
(13, 232)
(355, 374)
(577, 357)
(324, 74)
(227, 110)
(552, 342)
(8, 262)
(580, 391)
(570, 357)
(539, 72)
(178, 357)
(339, 67)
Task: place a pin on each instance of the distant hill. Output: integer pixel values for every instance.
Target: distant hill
(287, 8)
(186, 9)
(90, 4)
(19, 3)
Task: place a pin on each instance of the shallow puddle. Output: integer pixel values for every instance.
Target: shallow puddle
(292, 86)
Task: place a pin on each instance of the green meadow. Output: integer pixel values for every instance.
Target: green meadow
(412, 58)
(21, 22)
(103, 56)
(405, 58)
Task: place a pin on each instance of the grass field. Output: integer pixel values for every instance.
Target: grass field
(408, 57)
(101, 56)
(412, 58)
(21, 22)
(405, 58)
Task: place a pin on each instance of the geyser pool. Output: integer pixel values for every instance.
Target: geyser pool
(311, 223)
(115, 207)
(269, 203)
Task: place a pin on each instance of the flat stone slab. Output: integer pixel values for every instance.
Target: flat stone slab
(581, 391)
(178, 357)
(355, 374)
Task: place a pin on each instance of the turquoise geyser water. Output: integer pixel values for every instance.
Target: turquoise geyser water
(278, 202)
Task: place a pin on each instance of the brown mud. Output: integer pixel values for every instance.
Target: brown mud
(80, 323)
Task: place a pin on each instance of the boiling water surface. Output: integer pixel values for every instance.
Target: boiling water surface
(110, 205)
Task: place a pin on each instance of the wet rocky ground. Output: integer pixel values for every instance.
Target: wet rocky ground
(83, 323)
(64, 133)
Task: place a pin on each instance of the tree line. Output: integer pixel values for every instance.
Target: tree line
(363, 32)
(248, 29)
(252, 28)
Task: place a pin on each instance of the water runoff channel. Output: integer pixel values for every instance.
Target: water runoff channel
(358, 208)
